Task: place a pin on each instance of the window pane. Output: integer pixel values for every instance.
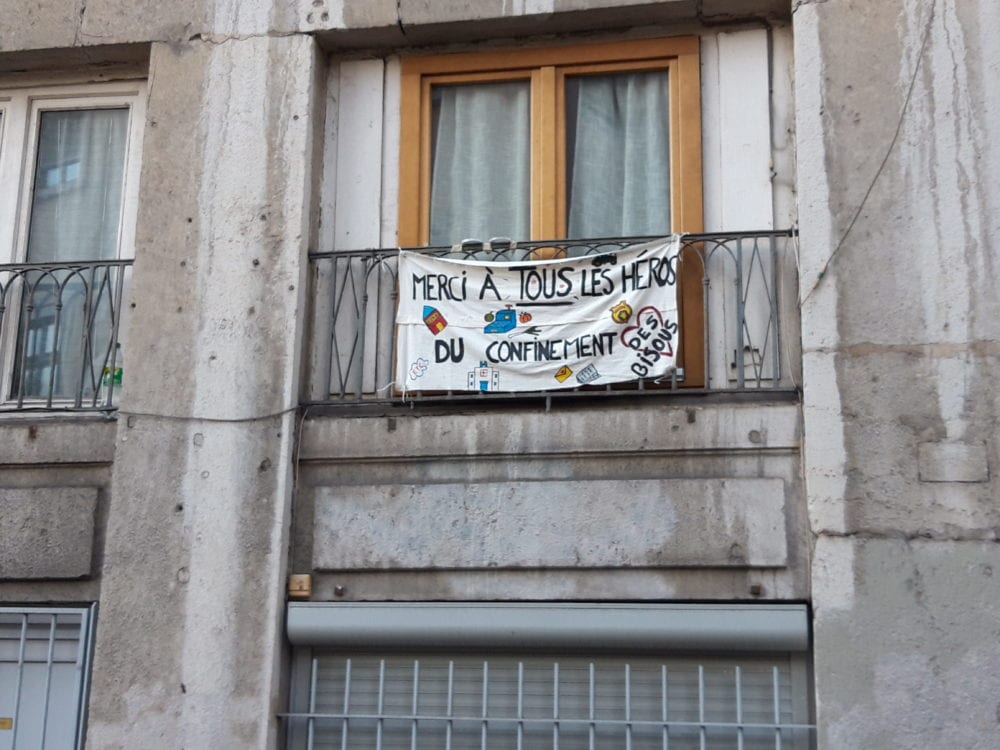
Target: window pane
(617, 155)
(76, 200)
(481, 170)
(65, 327)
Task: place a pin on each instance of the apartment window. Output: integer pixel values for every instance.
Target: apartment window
(44, 672)
(584, 141)
(68, 182)
(543, 676)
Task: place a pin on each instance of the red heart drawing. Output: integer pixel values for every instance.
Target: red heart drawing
(654, 324)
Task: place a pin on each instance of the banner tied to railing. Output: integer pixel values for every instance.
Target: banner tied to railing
(469, 325)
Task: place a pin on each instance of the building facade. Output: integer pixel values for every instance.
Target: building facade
(224, 524)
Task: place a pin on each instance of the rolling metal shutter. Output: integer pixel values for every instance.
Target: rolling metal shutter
(44, 669)
(549, 676)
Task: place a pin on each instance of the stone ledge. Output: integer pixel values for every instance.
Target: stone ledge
(56, 24)
(73, 440)
(636, 430)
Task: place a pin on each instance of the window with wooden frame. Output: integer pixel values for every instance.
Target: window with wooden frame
(579, 141)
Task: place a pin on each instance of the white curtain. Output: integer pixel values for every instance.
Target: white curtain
(618, 158)
(75, 216)
(76, 201)
(481, 173)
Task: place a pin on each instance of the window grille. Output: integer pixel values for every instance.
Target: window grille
(458, 698)
(44, 670)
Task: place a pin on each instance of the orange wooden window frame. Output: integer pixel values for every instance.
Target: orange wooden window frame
(546, 68)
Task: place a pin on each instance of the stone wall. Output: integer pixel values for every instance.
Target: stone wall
(178, 518)
(899, 198)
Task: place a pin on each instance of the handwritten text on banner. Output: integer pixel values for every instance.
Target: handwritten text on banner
(540, 325)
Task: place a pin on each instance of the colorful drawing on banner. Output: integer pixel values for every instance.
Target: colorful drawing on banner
(434, 319)
(501, 321)
(418, 368)
(652, 338)
(484, 378)
(563, 373)
(587, 375)
(622, 312)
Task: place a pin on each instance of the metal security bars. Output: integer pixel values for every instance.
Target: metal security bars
(44, 671)
(745, 277)
(60, 327)
(529, 702)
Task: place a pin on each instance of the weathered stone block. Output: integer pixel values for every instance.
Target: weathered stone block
(39, 24)
(47, 441)
(737, 523)
(953, 462)
(46, 532)
(905, 639)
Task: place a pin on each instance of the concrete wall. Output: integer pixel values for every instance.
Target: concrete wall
(716, 492)
(55, 24)
(54, 498)
(177, 516)
(899, 197)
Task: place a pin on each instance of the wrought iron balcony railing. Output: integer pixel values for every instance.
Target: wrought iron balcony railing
(744, 329)
(59, 334)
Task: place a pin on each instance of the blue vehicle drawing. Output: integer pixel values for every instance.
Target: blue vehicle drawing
(502, 321)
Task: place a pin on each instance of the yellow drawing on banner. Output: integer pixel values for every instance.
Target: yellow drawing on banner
(622, 312)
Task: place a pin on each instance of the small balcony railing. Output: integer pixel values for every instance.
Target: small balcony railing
(748, 332)
(60, 325)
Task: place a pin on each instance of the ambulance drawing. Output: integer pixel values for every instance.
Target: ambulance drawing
(484, 378)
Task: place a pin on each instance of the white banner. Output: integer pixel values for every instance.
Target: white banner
(536, 325)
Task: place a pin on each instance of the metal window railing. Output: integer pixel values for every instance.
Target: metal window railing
(60, 327)
(575, 703)
(746, 277)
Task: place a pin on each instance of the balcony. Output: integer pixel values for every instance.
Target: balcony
(746, 341)
(60, 329)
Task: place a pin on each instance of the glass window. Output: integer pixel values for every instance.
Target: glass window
(76, 208)
(567, 142)
(585, 141)
(66, 221)
(617, 155)
(480, 163)
(76, 200)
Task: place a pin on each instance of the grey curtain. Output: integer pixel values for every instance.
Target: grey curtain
(76, 206)
(481, 162)
(79, 171)
(618, 158)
